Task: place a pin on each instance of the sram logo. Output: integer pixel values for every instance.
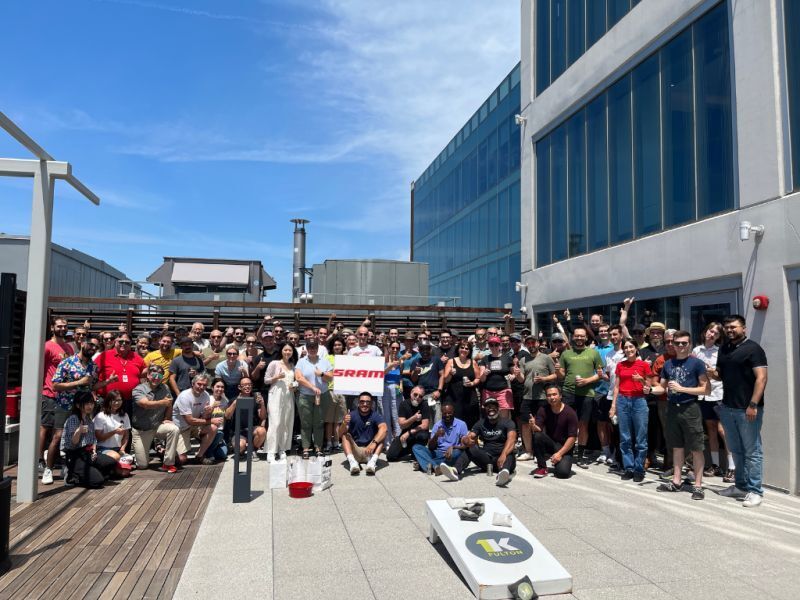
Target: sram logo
(357, 373)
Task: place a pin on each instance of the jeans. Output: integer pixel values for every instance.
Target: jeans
(744, 441)
(218, 449)
(425, 457)
(387, 407)
(632, 413)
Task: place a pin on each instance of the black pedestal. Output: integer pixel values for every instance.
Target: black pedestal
(5, 521)
(242, 481)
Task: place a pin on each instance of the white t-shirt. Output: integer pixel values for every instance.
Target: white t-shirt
(370, 350)
(188, 404)
(104, 423)
(709, 358)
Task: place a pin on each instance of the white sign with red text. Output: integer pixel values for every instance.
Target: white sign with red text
(355, 374)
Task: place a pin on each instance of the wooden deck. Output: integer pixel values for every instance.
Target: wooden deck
(127, 540)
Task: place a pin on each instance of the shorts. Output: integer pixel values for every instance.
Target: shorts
(602, 405)
(529, 408)
(685, 426)
(360, 452)
(505, 398)
(335, 409)
(582, 405)
(710, 409)
(53, 416)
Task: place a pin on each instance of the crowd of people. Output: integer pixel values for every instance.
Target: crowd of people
(594, 393)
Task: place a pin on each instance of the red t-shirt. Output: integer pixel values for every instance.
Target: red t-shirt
(127, 369)
(54, 353)
(625, 372)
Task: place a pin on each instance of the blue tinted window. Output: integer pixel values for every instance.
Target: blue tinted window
(515, 212)
(558, 38)
(576, 167)
(595, 20)
(616, 10)
(514, 144)
(620, 167)
(503, 219)
(483, 165)
(492, 176)
(542, 45)
(502, 151)
(791, 15)
(576, 29)
(543, 255)
(492, 223)
(679, 188)
(647, 147)
(713, 106)
(597, 173)
(558, 192)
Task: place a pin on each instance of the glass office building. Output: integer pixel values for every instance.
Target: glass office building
(466, 207)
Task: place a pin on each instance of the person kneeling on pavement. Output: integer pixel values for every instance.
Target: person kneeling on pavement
(555, 431)
(84, 465)
(444, 446)
(499, 437)
(414, 418)
(363, 431)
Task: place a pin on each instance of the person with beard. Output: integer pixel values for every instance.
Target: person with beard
(427, 371)
(414, 418)
(579, 370)
(446, 350)
(555, 428)
(499, 436)
(661, 400)
(56, 349)
(444, 446)
(362, 432)
(164, 355)
(539, 372)
(742, 367)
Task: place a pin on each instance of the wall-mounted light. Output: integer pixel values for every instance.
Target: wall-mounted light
(520, 120)
(518, 286)
(746, 227)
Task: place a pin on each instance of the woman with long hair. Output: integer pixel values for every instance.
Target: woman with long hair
(392, 390)
(85, 465)
(112, 429)
(462, 375)
(337, 407)
(280, 406)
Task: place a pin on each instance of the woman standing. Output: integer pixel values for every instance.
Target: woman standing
(632, 384)
(86, 467)
(462, 376)
(312, 373)
(392, 391)
(707, 352)
(337, 406)
(280, 406)
(495, 369)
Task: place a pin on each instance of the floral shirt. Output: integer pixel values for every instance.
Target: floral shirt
(68, 370)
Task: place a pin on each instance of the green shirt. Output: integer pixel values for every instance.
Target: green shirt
(580, 363)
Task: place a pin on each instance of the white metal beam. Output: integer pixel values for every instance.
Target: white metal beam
(23, 138)
(29, 167)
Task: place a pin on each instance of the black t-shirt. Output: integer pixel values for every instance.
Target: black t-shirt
(494, 436)
(499, 367)
(407, 410)
(735, 364)
(429, 372)
(243, 424)
(558, 427)
(266, 358)
(518, 387)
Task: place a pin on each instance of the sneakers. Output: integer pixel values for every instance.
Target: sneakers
(668, 487)
(583, 462)
(752, 500)
(47, 476)
(503, 477)
(539, 473)
(734, 492)
(437, 470)
(168, 469)
(415, 466)
(370, 468)
(638, 477)
(451, 473)
(698, 494)
(627, 476)
(524, 456)
(602, 460)
(41, 467)
(730, 476)
(355, 468)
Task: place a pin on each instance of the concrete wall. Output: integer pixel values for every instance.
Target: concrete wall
(359, 281)
(698, 255)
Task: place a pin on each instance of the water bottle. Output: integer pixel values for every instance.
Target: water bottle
(615, 420)
(490, 469)
(430, 469)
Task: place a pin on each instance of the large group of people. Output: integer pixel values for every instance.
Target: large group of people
(594, 393)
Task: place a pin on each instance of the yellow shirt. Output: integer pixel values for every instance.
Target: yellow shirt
(162, 360)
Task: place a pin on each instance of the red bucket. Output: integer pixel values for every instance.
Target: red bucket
(12, 402)
(300, 489)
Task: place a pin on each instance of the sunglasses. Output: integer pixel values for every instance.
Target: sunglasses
(109, 339)
(233, 354)
(365, 402)
(416, 395)
(680, 343)
(124, 342)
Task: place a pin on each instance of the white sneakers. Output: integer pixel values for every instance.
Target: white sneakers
(503, 477)
(602, 460)
(733, 492)
(524, 456)
(752, 500)
(355, 468)
(448, 471)
(370, 468)
(47, 476)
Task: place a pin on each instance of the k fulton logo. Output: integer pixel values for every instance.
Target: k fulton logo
(499, 547)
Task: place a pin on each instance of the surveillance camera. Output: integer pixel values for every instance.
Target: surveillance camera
(523, 309)
(517, 286)
(744, 231)
(520, 120)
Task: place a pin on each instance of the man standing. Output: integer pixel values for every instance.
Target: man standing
(184, 367)
(363, 431)
(579, 369)
(196, 335)
(56, 349)
(364, 348)
(164, 355)
(238, 338)
(126, 364)
(444, 446)
(742, 367)
(539, 371)
(684, 378)
(481, 347)
(555, 429)
(499, 437)
(602, 403)
(214, 353)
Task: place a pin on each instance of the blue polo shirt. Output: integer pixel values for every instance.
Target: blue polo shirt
(364, 429)
(452, 435)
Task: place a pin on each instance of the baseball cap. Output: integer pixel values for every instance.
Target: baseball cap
(490, 400)
(530, 336)
(638, 328)
(515, 337)
(557, 337)
(494, 340)
(269, 333)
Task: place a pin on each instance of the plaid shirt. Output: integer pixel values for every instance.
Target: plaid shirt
(72, 424)
(68, 370)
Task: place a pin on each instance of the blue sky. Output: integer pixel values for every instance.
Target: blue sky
(206, 125)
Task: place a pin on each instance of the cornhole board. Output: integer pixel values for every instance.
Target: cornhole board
(491, 557)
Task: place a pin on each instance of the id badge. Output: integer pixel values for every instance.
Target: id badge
(124, 378)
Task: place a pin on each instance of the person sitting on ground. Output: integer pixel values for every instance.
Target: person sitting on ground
(363, 431)
(444, 446)
(112, 429)
(191, 414)
(414, 417)
(151, 418)
(499, 437)
(85, 466)
(555, 431)
(256, 423)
